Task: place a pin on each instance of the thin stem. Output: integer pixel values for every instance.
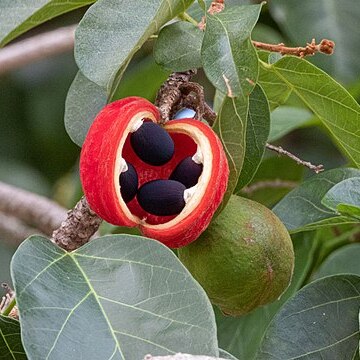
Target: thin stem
(281, 151)
(324, 47)
(186, 17)
(9, 307)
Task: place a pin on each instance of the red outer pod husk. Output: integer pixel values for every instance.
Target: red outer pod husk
(178, 232)
(98, 160)
(99, 171)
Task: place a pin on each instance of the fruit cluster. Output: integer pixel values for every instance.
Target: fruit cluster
(167, 180)
(162, 197)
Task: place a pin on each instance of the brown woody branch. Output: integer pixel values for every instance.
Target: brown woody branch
(34, 210)
(324, 47)
(36, 48)
(81, 224)
(281, 151)
(14, 231)
(23, 213)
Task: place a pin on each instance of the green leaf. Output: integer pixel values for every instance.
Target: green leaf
(117, 297)
(17, 17)
(342, 261)
(229, 59)
(178, 46)
(344, 196)
(335, 107)
(285, 119)
(111, 32)
(302, 209)
(319, 322)
(269, 186)
(83, 102)
(335, 20)
(257, 132)
(10, 340)
(230, 125)
(275, 89)
(242, 336)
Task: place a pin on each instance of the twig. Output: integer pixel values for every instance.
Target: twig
(14, 231)
(281, 151)
(180, 356)
(267, 184)
(170, 94)
(37, 47)
(33, 209)
(77, 229)
(324, 47)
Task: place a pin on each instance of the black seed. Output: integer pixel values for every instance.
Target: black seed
(128, 183)
(187, 172)
(162, 197)
(152, 144)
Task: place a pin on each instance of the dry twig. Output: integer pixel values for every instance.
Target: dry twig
(324, 47)
(281, 151)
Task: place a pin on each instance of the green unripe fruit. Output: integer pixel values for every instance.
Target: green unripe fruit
(244, 259)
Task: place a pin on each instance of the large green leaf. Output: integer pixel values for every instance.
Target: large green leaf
(344, 197)
(118, 297)
(287, 118)
(178, 46)
(242, 336)
(112, 31)
(83, 102)
(10, 340)
(334, 106)
(275, 89)
(17, 16)
(257, 132)
(228, 56)
(319, 322)
(331, 19)
(302, 209)
(230, 125)
(342, 261)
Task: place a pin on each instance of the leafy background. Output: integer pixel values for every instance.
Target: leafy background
(38, 155)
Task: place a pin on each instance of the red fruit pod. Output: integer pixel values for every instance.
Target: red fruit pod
(163, 209)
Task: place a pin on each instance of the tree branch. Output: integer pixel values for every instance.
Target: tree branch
(281, 151)
(14, 231)
(77, 229)
(37, 47)
(33, 209)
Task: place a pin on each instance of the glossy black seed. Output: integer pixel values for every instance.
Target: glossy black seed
(152, 144)
(187, 172)
(162, 197)
(128, 183)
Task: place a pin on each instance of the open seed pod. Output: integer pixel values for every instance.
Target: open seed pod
(167, 180)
